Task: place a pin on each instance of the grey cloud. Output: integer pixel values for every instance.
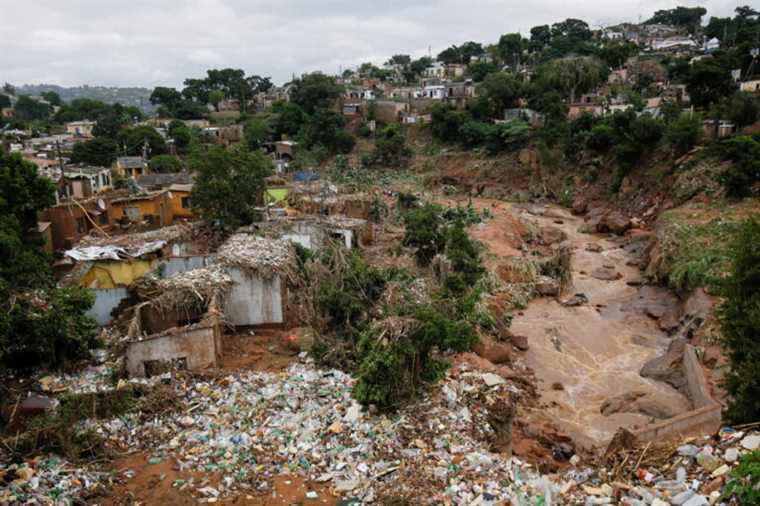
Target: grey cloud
(161, 42)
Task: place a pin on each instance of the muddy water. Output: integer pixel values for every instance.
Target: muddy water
(595, 351)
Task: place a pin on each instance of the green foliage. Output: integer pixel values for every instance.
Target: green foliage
(446, 122)
(182, 135)
(325, 128)
(689, 17)
(286, 119)
(100, 151)
(229, 184)
(314, 91)
(174, 105)
(345, 299)
(391, 373)
(479, 70)
(743, 483)
(708, 81)
(39, 325)
(695, 255)
(256, 133)
(571, 76)
(744, 152)
(390, 148)
(739, 316)
(501, 90)
(742, 108)
(425, 231)
(133, 141)
(46, 328)
(29, 109)
(5, 101)
(165, 164)
(684, 132)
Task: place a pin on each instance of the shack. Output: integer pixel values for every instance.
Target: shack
(313, 232)
(179, 324)
(260, 269)
(109, 265)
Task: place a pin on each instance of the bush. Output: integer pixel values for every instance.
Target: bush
(744, 152)
(684, 132)
(446, 122)
(390, 148)
(392, 370)
(602, 137)
(739, 316)
(46, 328)
(165, 164)
(744, 481)
(425, 232)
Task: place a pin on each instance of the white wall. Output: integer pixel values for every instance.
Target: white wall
(252, 300)
(106, 299)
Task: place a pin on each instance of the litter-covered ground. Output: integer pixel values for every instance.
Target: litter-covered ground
(238, 434)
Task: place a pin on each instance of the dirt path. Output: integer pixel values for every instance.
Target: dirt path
(587, 354)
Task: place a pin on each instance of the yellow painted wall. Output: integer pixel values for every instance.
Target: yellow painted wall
(146, 207)
(176, 204)
(106, 274)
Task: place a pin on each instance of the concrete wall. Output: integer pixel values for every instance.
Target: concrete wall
(196, 345)
(106, 299)
(176, 265)
(706, 416)
(253, 301)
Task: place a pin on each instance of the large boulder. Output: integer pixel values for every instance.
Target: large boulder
(552, 235)
(613, 222)
(520, 342)
(496, 353)
(669, 366)
(547, 286)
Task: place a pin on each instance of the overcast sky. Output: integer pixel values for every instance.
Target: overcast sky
(161, 42)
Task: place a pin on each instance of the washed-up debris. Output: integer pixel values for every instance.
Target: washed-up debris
(48, 480)
(264, 257)
(242, 430)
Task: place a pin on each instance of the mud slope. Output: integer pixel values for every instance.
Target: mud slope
(584, 355)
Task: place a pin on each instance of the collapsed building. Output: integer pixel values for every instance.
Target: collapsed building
(180, 320)
(109, 265)
(314, 232)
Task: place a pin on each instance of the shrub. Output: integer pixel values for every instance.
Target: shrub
(390, 148)
(739, 316)
(165, 164)
(744, 151)
(744, 481)
(425, 232)
(602, 137)
(446, 122)
(684, 132)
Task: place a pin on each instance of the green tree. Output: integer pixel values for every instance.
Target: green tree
(446, 122)
(100, 151)
(229, 184)
(744, 173)
(707, 82)
(739, 317)
(510, 47)
(615, 53)
(133, 141)
(286, 119)
(28, 109)
(40, 325)
(182, 135)
(689, 17)
(256, 133)
(52, 97)
(390, 147)
(470, 50)
(450, 55)
(325, 128)
(5, 101)
(479, 70)
(684, 132)
(572, 76)
(540, 37)
(214, 97)
(165, 164)
(314, 91)
(502, 90)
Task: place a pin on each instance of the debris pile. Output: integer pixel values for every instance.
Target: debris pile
(264, 257)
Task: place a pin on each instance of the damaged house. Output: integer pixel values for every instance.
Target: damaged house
(179, 326)
(260, 270)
